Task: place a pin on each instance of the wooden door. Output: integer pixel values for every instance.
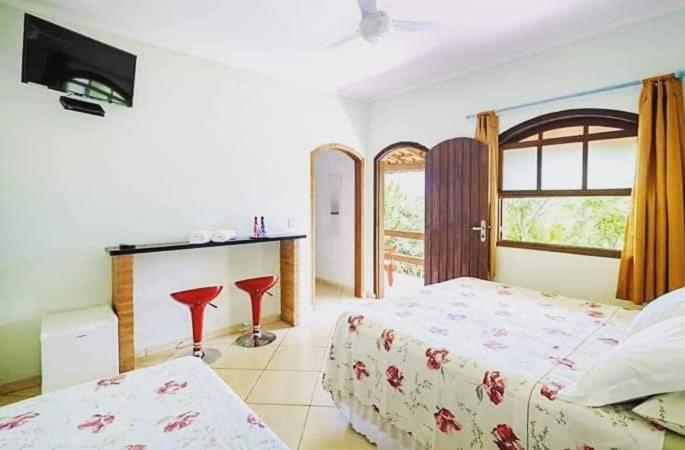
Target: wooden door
(456, 206)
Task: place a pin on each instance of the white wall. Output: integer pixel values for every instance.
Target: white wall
(204, 146)
(208, 146)
(335, 233)
(437, 112)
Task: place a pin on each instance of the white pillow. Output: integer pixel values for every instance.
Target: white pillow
(667, 306)
(667, 410)
(650, 362)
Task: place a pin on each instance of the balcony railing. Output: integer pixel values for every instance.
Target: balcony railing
(412, 235)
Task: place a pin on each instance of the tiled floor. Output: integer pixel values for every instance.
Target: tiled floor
(282, 382)
(402, 283)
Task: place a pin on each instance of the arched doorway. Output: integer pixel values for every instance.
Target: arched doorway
(358, 161)
(396, 158)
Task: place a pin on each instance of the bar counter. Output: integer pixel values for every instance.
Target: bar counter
(123, 282)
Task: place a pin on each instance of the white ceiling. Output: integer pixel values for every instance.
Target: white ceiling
(287, 39)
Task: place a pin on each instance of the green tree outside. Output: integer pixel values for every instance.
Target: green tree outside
(405, 214)
(597, 222)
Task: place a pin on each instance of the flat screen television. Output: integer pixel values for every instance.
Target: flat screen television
(71, 62)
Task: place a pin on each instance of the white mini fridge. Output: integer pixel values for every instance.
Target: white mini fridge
(78, 346)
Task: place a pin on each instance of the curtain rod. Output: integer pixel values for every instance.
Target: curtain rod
(678, 74)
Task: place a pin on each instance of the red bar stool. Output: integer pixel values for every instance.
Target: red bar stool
(256, 287)
(197, 300)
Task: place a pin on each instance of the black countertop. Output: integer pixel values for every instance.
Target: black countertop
(173, 246)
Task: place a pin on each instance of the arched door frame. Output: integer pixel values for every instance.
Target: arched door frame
(377, 201)
(358, 161)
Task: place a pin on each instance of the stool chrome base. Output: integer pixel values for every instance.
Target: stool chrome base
(256, 339)
(209, 355)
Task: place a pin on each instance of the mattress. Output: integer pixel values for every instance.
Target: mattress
(178, 404)
(478, 365)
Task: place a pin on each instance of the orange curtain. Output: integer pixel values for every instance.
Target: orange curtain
(653, 259)
(487, 131)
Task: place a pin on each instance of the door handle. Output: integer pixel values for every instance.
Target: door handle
(483, 229)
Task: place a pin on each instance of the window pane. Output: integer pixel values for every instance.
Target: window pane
(563, 132)
(531, 138)
(597, 129)
(519, 169)
(562, 166)
(597, 222)
(611, 163)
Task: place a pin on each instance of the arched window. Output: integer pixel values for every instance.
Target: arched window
(565, 181)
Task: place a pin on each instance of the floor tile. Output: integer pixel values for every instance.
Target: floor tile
(287, 421)
(221, 342)
(278, 325)
(153, 360)
(327, 428)
(328, 313)
(325, 358)
(308, 336)
(234, 357)
(240, 380)
(281, 329)
(325, 292)
(321, 397)
(297, 358)
(323, 319)
(284, 388)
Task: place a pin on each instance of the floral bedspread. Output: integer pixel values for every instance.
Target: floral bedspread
(472, 364)
(179, 404)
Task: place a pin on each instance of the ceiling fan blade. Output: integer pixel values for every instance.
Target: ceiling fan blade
(368, 7)
(345, 40)
(410, 25)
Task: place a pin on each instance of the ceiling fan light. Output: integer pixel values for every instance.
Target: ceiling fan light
(376, 27)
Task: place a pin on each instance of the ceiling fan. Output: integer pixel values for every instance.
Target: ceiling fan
(377, 25)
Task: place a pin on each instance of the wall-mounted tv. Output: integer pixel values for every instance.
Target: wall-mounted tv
(71, 62)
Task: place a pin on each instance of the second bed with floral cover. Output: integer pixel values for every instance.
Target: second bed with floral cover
(181, 404)
(472, 364)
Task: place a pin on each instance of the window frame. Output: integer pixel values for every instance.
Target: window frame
(625, 122)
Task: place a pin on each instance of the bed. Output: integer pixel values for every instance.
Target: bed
(178, 404)
(478, 365)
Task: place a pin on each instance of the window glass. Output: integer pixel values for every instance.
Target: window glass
(611, 163)
(563, 132)
(562, 210)
(595, 222)
(594, 129)
(532, 138)
(562, 166)
(519, 169)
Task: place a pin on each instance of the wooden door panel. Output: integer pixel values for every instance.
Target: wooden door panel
(456, 201)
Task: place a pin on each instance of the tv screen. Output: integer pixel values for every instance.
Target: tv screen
(70, 62)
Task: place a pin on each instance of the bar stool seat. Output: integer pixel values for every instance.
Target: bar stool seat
(256, 288)
(197, 300)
